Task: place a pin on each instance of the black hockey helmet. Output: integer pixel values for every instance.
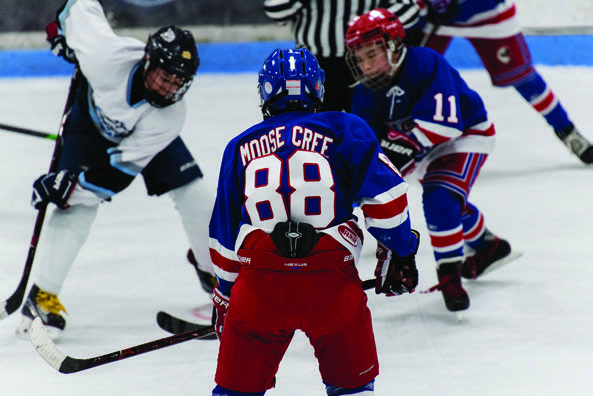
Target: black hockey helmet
(174, 51)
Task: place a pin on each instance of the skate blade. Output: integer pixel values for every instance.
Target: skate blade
(512, 256)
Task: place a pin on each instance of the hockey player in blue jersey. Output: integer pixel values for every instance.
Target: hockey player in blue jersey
(492, 28)
(284, 240)
(429, 121)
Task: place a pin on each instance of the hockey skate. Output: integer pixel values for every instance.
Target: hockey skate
(48, 307)
(455, 296)
(495, 253)
(207, 280)
(576, 143)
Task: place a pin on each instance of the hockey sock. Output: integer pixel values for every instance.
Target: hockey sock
(220, 391)
(368, 389)
(194, 203)
(442, 210)
(473, 226)
(539, 95)
(63, 236)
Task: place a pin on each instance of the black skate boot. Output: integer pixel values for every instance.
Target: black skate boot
(491, 255)
(576, 143)
(455, 296)
(207, 280)
(45, 305)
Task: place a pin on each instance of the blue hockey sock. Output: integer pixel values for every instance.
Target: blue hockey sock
(535, 91)
(220, 391)
(442, 210)
(473, 227)
(336, 390)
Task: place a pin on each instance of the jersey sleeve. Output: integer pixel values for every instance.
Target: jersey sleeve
(98, 49)
(225, 223)
(380, 191)
(447, 106)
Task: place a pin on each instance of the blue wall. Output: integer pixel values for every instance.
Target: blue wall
(247, 57)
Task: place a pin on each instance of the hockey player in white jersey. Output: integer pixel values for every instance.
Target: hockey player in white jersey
(125, 121)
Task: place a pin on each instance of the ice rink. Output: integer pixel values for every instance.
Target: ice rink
(528, 331)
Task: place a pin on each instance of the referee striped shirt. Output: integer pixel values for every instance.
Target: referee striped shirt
(320, 25)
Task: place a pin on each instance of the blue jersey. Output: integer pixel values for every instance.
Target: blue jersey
(428, 100)
(306, 167)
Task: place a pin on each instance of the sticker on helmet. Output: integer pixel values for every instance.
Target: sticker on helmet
(168, 35)
(293, 87)
(268, 87)
(186, 55)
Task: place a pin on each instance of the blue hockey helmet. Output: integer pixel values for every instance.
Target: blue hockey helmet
(290, 80)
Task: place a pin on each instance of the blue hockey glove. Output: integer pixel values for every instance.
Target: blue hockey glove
(220, 307)
(396, 275)
(58, 44)
(53, 187)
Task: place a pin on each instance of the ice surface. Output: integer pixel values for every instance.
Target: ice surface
(528, 331)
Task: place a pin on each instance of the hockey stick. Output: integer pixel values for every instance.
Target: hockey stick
(427, 37)
(30, 132)
(11, 304)
(67, 364)
(175, 325)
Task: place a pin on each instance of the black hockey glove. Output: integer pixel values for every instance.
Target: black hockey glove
(293, 239)
(58, 44)
(401, 150)
(440, 11)
(53, 187)
(396, 275)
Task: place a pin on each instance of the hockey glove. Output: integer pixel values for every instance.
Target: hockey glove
(396, 275)
(440, 11)
(58, 44)
(53, 187)
(220, 307)
(401, 150)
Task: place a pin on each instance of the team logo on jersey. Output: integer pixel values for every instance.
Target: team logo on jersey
(395, 91)
(504, 54)
(348, 235)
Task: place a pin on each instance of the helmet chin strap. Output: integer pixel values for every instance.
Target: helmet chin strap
(395, 66)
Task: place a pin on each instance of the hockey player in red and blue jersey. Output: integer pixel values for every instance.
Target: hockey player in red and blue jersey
(492, 28)
(284, 240)
(429, 121)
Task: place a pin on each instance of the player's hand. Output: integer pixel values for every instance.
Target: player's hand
(220, 307)
(53, 187)
(401, 150)
(396, 275)
(58, 44)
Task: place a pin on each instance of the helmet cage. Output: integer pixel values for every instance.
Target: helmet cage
(290, 80)
(174, 51)
(381, 29)
(381, 79)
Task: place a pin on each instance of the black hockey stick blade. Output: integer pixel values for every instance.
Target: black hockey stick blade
(176, 325)
(368, 284)
(65, 364)
(27, 131)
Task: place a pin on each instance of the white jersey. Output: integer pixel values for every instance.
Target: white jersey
(108, 63)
